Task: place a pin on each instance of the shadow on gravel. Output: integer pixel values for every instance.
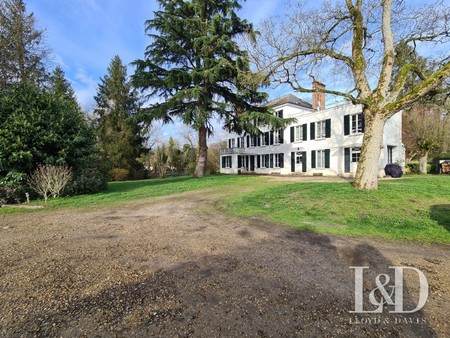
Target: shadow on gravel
(292, 283)
(441, 214)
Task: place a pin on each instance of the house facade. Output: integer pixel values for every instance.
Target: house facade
(322, 142)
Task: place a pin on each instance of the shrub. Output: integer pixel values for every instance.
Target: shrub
(119, 174)
(12, 187)
(87, 181)
(49, 180)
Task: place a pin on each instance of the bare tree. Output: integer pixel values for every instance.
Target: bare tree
(425, 128)
(354, 42)
(49, 180)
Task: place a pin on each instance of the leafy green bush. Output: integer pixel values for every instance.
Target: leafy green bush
(87, 181)
(414, 168)
(12, 187)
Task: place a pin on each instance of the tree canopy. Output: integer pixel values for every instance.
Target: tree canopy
(196, 68)
(23, 52)
(119, 134)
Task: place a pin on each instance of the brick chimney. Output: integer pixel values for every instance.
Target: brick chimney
(318, 97)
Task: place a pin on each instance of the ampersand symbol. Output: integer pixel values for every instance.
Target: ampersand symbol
(386, 297)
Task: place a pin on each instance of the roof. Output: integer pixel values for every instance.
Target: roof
(292, 99)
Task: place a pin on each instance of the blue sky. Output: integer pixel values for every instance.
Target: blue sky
(86, 34)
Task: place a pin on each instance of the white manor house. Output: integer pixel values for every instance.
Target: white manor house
(322, 142)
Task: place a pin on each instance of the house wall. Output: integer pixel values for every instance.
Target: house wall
(335, 144)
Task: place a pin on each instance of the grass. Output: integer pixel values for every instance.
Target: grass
(413, 208)
(119, 192)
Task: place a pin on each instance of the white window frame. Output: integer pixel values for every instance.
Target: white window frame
(233, 143)
(320, 159)
(276, 137)
(299, 133)
(227, 162)
(355, 153)
(263, 161)
(356, 123)
(276, 161)
(321, 129)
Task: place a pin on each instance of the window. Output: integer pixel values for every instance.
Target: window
(278, 136)
(252, 141)
(226, 162)
(265, 161)
(390, 150)
(278, 160)
(320, 158)
(279, 113)
(355, 154)
(321, 129)
(231, 143)
(298, 133)
(356, 123)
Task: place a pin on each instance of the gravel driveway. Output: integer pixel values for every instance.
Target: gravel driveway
(178, 267)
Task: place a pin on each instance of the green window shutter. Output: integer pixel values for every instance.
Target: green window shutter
(239, 161)
(327, 158)
(281, 136)
(292, 134)
(305, 130)
(346, 124)
(304, 163)
(328, 128)
(347, 160)
(292, 161)
(271, 161)
(258, 161)
(267, 161)
(248, 141)
(231, 161)
(313, 131)
(271, 137)
(258, 140)
(313, 158)
(281, 160)
(266, 138)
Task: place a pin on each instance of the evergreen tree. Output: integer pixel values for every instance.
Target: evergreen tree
(22, 50)
(37, 126)
(119, 135)
(62, 88)
(195, 65)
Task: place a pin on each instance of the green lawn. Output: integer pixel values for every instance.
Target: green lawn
(411, 208)
(416, 208)
(118, 192)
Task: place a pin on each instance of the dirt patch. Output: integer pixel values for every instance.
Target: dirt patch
(175, 266)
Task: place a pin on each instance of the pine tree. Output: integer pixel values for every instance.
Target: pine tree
(22, 49)
(195, 65)
(119, 135)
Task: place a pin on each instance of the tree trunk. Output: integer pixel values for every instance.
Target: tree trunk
(202, 152)
(423, 160)
(367, 171)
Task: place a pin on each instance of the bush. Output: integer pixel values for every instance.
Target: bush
(119, 174)
(12, 187)
(87, 181)
(412, 168)
(49, 180)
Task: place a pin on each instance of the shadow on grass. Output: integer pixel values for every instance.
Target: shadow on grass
(441, 214)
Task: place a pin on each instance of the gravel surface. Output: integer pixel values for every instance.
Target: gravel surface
(177, 267)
